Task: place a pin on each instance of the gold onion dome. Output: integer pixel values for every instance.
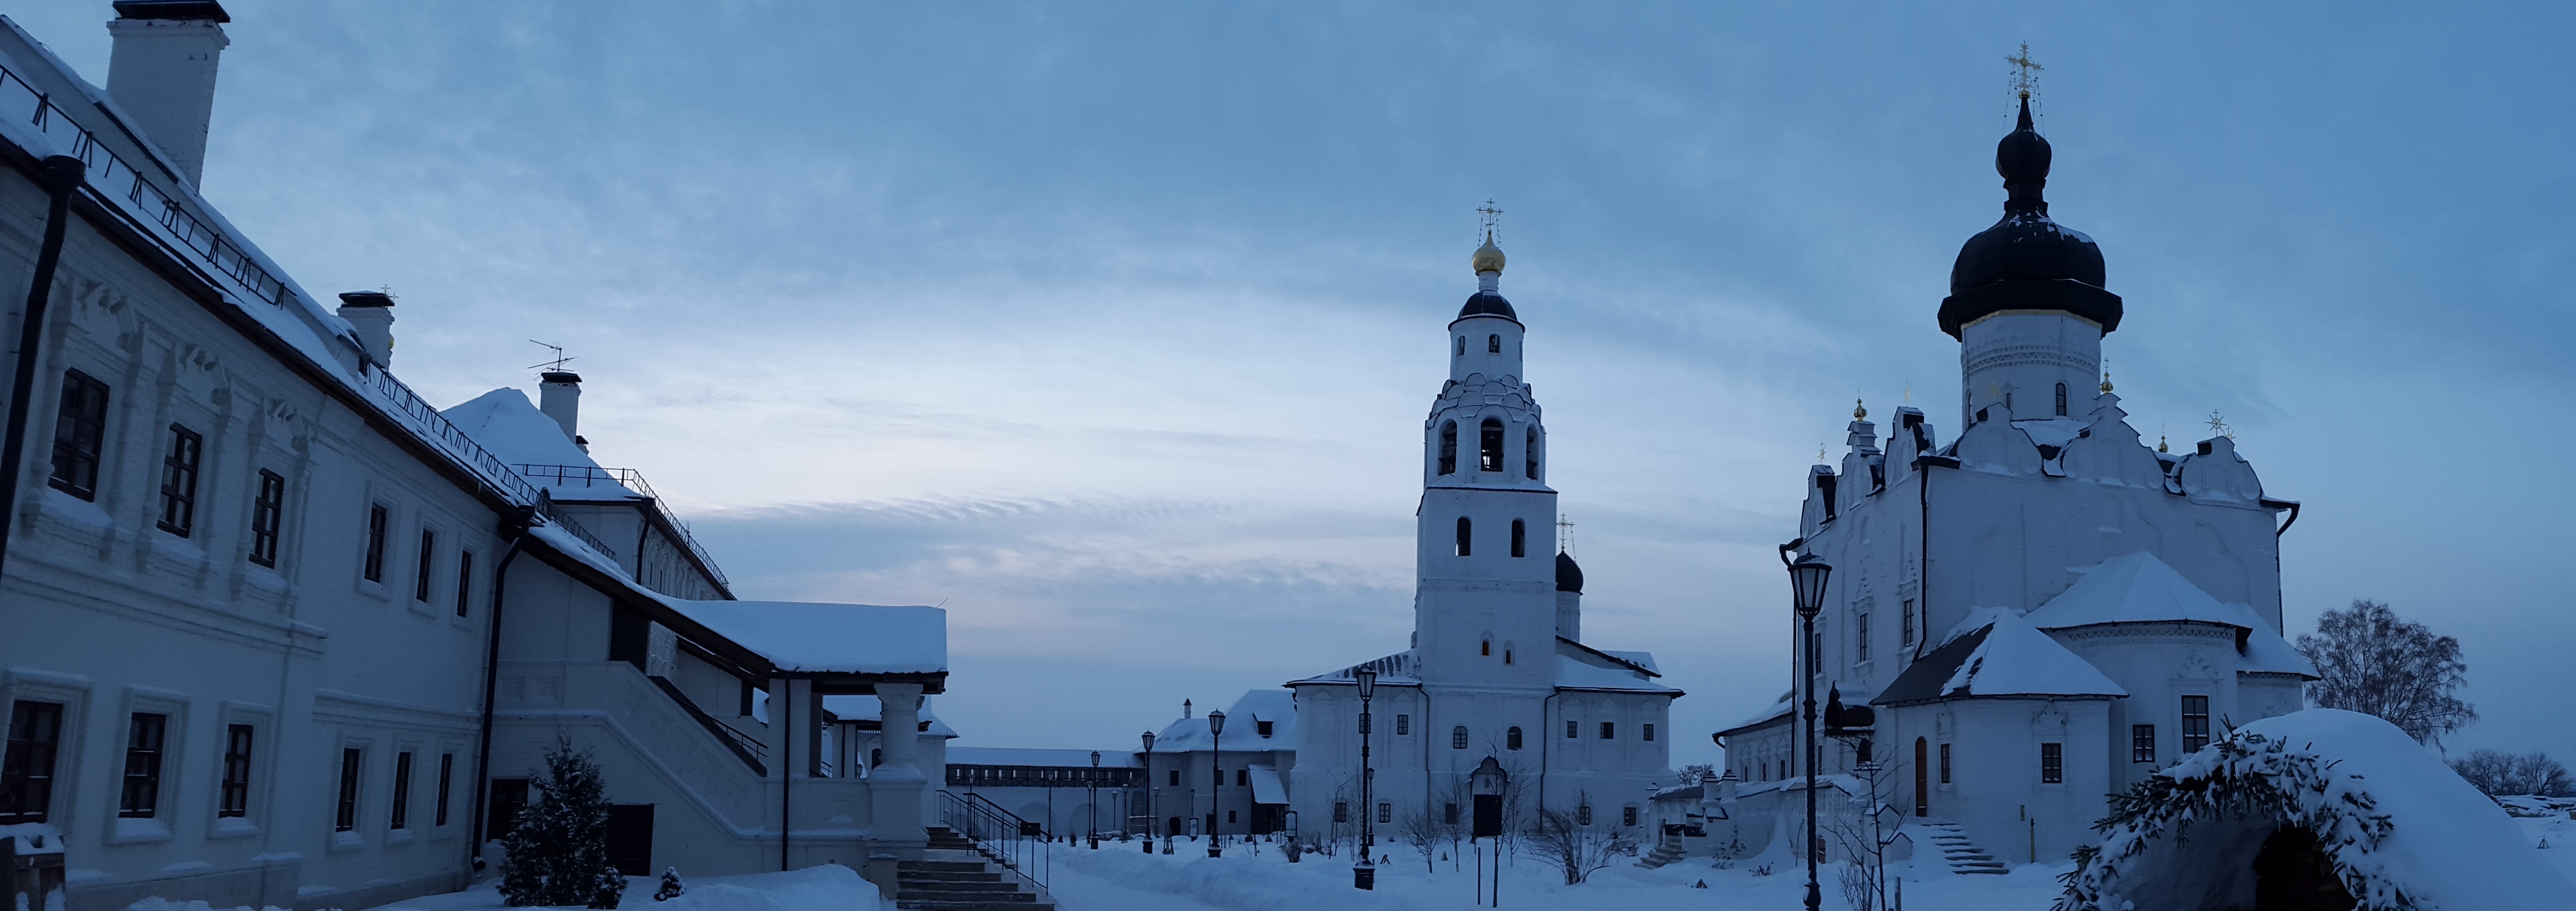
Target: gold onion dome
(1859, 413)
(1489, 258)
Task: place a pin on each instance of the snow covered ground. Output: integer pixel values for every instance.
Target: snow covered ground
(1123, 877)
(825, 888)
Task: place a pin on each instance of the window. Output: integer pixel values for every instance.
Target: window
(1784, 770)
(27, 766)
(2195, 723)
(1512, 739)
(1229, 815)
(235, 799)
(2061, 400)
(1529, 454)
(1489, 445)
(428, 561)
(1403, 724)
(1219, 778)
(1386, 812)
(1583, 815)
(1458, 737)
(1466, 538)
(446, 778)
(2052, 763)
(376, 520)
(1486, 650)
(1448, 447)
(1449, 814)
(179, 481)
(1341, 811)
(2142, 743)
(1520, 538)
(1945, 763)
(1507, 653)
(141, 796)
(80, 429)
(1262, 728)
(267, 513)
(1628, 816)
(1815, 652)
(1493, 344)
(1573, 730)
(1906, 621)
(346, 819)
(1649, 733)
(464, 581)
(1462, 352)
(1860, 636)
(1609, 730)
(1242, 778)
(402, 790)
(1176, 777)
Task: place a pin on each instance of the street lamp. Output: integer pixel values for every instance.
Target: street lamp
(1807, 585)
(1095, 800)
(1487, 783)
(1364, 874)
(1153, 813)
(1216, 796)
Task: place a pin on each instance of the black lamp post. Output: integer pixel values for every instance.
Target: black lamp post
(1095, 800)
(1153, 809)
(1364, 874)
(1807, 584)
(1216, 796)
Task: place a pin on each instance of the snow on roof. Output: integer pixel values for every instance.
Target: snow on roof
(1265, 785)
(1403, 668)
(1777, 709)
(2137, 588)
(2008, 657)
(808, 637)
(1578, 671)
(512, 429)
(2051, 431)
(1067, 759)
(870, 708)
(1242, 731)
(1641, 659)
(2444, 846)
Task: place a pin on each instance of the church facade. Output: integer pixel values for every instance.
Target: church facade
(2042, 609)
(1497, 666)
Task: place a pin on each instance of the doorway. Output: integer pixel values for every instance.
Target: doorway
(1922, 784)
(630, 838)
(2292, 873)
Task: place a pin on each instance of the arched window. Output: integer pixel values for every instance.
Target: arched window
(1493, 344)
(1489, 442)
(1462, 346)
(1529, 454)
(1458, 737)
(1507, 653)
(1448, 447)
(1512, 739)
(1487, 650)
(2061, 400)
(1520, 538)
(1465, 538)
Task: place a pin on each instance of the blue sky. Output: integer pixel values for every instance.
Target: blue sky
(1111, 327)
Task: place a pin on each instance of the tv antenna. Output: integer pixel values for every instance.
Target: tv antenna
(554, 364)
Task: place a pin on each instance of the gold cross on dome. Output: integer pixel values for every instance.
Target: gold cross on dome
(1489, 217)
(2218, 425)
(2026, 71)
(1564, 531)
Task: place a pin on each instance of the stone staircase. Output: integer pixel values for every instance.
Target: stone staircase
(1963, 856)
(1667, 851)
(954, 875)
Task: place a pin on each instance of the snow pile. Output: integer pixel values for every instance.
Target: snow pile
(1239, 886)
(829, 887)
(2402, 831)
(163, 904)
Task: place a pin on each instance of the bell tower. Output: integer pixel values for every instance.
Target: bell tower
(1485, 596)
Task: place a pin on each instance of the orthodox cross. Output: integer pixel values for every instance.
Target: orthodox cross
(553, 364)
(1489, 217)
(2218, 425)
(2025, 71)
(1564, 531)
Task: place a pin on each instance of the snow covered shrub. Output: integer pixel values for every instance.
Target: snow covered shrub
(671, 886)
(558, 849)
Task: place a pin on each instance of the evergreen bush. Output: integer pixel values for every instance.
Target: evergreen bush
(558, 848)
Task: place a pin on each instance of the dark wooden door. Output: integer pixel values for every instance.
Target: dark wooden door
(1922, 781)
(630, 838)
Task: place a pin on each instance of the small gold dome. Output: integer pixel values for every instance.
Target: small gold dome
(1489, 258)
(1859, 413)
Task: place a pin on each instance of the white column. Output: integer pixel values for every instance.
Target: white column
(895, 787)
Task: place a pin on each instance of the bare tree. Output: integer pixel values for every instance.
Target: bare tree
(2370, 661)
(2499, 773)
(1577, 849)
(1420, 827)
(1698, 772)
(1865, 828)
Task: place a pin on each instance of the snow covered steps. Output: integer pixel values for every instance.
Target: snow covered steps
(1667, 852)
(1963, 856)
(957, 877)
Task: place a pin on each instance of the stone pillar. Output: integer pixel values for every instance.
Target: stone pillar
(895, 786)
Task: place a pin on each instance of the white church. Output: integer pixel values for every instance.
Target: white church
(1497, 666)
(2042, 609)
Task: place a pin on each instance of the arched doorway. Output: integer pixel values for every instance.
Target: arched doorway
(2292, 873)
(1922, 784)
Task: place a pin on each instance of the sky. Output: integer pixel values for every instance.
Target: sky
(1111, 327)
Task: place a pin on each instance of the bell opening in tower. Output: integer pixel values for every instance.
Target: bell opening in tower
(1490, 442)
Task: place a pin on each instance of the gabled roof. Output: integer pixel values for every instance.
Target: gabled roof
(1279, 707)
(1403, 668)
(2006, 657)
(1641, 662)
(514, 431)
(1582, 667)
(1773, 715)
(2138, 588)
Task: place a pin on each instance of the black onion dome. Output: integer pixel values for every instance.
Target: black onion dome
(2027, 261)
(1569, 577)
(1487, 303)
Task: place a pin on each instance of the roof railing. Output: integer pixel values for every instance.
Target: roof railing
(633, 481)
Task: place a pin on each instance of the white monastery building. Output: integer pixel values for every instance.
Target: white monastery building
(1497, 666)
(275, 631)
(2043, 609)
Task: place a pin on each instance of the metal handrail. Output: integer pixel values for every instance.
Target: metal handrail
(633, 481)
(1019, 845)
(751, 751)
(546, 508)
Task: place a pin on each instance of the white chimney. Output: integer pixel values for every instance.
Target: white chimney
(559, 396)
(372, 314)
(162, 72)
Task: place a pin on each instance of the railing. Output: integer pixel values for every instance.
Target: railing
(750, 750)
(633, 481)
(546, 507)
(1019, 845)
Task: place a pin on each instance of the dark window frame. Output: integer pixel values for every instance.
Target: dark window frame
(233, 800)
(428, 565)
(180, 465)
(2052, 763)
(2142, 743)
(147, 738)
(352, 767)
(1520, 538)
(267, 518)
(1448, 447)
(2195, 723)
(80, 435)
(34, 746)
(1458, 737)
(1489, 445)
(446, 783)
(1493, 344)
(1945, 763)
(1574, 730)
(1529, 453)
(1609, 730)
(464, 582)
(379, 525)
(1512, 738)
(1403, 725)
(400, 817)
(1466, 537)
(2061, 400)
(1649, 733)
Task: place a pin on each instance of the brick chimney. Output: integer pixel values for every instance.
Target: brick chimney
(162, 72)
(372, 314)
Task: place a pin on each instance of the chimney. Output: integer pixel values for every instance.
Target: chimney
(559, 396)
(162, 72)
(372, 314)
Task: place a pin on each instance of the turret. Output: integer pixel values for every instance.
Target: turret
(2027, 300)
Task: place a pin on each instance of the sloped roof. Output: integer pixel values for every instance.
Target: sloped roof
(1778, 710)
(2006, 657)
(1277, 706)
(1403, 668)
(2139, 588)
(1581, 667)
(513, 430)
(805, 637)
